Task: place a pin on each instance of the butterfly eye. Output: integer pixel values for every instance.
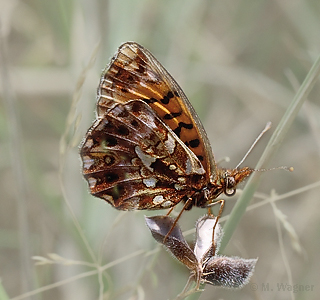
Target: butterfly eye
(230, 192)
(229, 188)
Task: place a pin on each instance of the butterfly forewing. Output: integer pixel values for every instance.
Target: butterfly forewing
(134, 161)
(135, 74)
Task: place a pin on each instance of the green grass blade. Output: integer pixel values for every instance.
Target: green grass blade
(3, 294)
(274, 143)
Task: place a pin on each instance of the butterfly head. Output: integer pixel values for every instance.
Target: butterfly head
(229, 179)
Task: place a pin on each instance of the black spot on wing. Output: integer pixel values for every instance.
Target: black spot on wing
(185, 125)
(136, 107)
(194, 143)
(110, 177)
(170, 95)
(123, 130)
(134, 123)
(123, 113)
(172, 115)
(141, 69)
(181, 125)
(166, 99)
(177, 131)
(150, 100)
(109, 160)
(161, 168)
(111, 141)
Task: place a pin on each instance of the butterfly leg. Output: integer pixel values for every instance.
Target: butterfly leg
(221, 202)
(177, 218)
(170, 211)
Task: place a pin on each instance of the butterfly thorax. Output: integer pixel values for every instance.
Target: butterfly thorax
(225, 181)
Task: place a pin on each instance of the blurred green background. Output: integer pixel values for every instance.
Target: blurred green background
(239, 61)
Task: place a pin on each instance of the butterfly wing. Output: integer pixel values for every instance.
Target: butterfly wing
(134, 73)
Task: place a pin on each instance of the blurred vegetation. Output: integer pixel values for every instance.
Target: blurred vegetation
(240, 62)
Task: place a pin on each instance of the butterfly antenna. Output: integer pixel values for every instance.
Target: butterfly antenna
(267, 127)
(291, 169)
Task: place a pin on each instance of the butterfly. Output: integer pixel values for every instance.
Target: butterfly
(147, 148)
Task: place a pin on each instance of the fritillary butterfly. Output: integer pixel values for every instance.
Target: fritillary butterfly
(147, 149)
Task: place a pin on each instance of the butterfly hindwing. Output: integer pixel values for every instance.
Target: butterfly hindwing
(134, 161)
